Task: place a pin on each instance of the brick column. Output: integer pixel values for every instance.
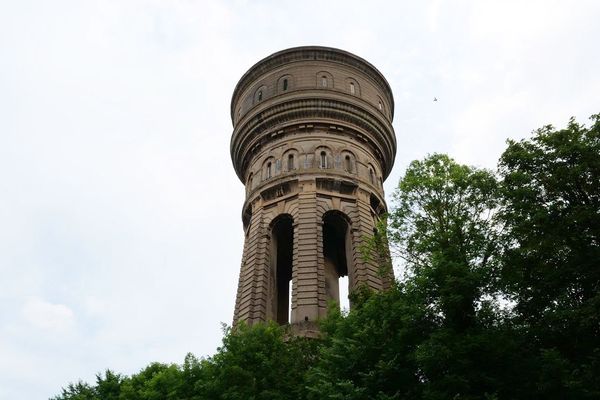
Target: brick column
(305, 277)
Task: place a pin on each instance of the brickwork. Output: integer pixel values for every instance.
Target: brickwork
(313, 143)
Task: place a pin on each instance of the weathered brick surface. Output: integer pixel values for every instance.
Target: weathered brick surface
(323, 145)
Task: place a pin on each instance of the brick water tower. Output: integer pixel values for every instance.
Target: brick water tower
(313, 142)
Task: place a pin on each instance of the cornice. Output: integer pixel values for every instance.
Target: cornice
(254, 128)
(310, 53)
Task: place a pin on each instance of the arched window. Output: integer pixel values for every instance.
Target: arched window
(352, 89)
(371, 176)
(324, 81)
(268, 174)
(290, 165)
(260, 95)
(348, 163)
(285, 84)
(323, 160)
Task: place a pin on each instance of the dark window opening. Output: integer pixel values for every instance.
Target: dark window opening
(335, 237)
(371, 176)
(348, 162)
(290, 162)
(260, 95)
(285, 84)
(268, 170)
(324, 81)
(323, 160)
(283, 243)
(352, 90)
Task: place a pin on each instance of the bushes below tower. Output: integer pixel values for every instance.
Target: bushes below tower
(500, 299)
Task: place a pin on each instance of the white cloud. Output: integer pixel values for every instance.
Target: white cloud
(50, 318)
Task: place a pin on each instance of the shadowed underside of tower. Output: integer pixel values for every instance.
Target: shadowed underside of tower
(313, 142)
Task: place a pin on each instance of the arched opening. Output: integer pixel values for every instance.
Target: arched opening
(371, 176)
(348, 163)
(290, 165)
(268, 172)
(260, 95)
(282, 244)
(352, 90)
(285, 84)
(336, 244)
(324, 81)
(323, 163)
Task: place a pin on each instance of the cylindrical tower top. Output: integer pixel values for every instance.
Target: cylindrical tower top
(312, 85)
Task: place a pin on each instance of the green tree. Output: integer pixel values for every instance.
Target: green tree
(369, 354)
(77, 391)
(551, 192)
(444, 229)
(258, 362)
(447, 234)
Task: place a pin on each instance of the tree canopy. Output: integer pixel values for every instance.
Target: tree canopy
(499, 299)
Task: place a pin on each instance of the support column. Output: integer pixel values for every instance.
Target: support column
(368, 272)
(305, 276)
(252, 293)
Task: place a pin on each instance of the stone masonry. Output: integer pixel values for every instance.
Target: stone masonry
(312, 142)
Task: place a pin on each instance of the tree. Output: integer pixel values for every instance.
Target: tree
(369, 354)
(444, 229)
(258, 362)
(551, 195)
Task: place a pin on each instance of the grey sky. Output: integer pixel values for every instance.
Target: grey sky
(120, 229)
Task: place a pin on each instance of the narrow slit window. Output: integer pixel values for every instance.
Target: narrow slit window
(324, 81)
(285, 84)
(352, 90)
(268, 170)
(290, 162)
(348, 164)
(323, 159)
(380, 106)
(260, 95)
(371, 176)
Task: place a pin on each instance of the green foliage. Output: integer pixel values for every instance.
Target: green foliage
(444, 227)
(551, 192)
(258, 362)
(500, 299)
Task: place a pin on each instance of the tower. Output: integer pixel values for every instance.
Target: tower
(312, 142)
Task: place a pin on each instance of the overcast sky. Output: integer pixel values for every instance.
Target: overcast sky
(120, 228)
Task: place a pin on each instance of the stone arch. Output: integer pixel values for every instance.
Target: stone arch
(268, 168)
(348, 160)
(381, 105)
(324, 157)
(285, 83)
(352, 87)
(260, 94)
(372, 174)
(324, 80)
(281, 231)
(293, 162)
(337, 252)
